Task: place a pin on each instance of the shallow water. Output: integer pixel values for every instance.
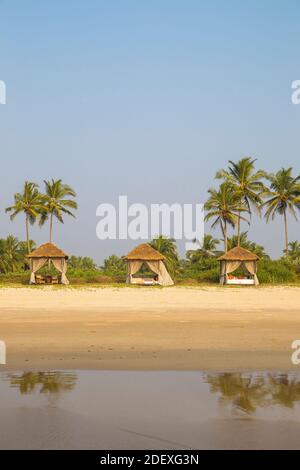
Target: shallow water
(149, 410)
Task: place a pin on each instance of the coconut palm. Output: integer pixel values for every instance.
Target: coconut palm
(83, 263)
(247, 183)
(31, 203)
(248, 245)
(225, 206)
(12, 253)
(4, 261)
(294, 250)
(57, 202)
(283, 197)
(114, 265)
(23, 247)
(167, 247)
(208, 249)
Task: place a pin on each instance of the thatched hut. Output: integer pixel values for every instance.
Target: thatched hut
(232, 260)
(145, 254)
(51, 253)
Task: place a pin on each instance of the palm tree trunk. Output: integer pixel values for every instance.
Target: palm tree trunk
(239, 229)
(27, 234)
(286, 234)
(51, 226)
(225, 237)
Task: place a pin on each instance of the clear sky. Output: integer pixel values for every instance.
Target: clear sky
(144, 98)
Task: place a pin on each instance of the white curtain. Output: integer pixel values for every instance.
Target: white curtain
(159, 268)
(133, 267)
(232, 266)
(36, 264)
(61, 265)
(227, 267)
(251, 268)
(165, 278)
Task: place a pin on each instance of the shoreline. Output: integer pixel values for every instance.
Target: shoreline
(182, 328)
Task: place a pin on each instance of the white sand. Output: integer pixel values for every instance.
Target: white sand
(149, 328)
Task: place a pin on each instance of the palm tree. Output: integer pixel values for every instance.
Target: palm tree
(4, 261)
(294, 250)
(208, 249)
(56, 202)
(225, 206)
(115, 265)
(246, 182)
(283, 197)
(12, 253)
(23, 248)
(167, 247)
(31, 203)
(248, 245)
(83, 263)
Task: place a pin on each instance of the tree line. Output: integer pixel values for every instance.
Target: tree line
(243, 191)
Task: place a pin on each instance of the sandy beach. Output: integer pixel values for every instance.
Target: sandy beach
(180, 328)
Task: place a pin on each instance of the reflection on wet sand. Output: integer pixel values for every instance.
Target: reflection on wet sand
(247, 392)
(51, 383)
(149, 410)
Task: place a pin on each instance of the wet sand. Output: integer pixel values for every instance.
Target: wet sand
(176, 328)
(149, 410)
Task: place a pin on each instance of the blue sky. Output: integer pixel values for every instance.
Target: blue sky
(146, 99)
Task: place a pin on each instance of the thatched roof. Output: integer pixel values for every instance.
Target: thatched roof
(47, 250)
(144, 252)
(239, 254)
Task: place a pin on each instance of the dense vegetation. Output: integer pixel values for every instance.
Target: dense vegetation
(199, 266)
(242, 192)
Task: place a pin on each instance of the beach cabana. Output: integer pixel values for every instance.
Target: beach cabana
(234, 259)
(51, 253)
(144, 254)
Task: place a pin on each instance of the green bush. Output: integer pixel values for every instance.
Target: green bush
(211, 275)
(93, 277)
(282, 271)
(15, 278)
(204, 270)
(276, 271)
(269, 271)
